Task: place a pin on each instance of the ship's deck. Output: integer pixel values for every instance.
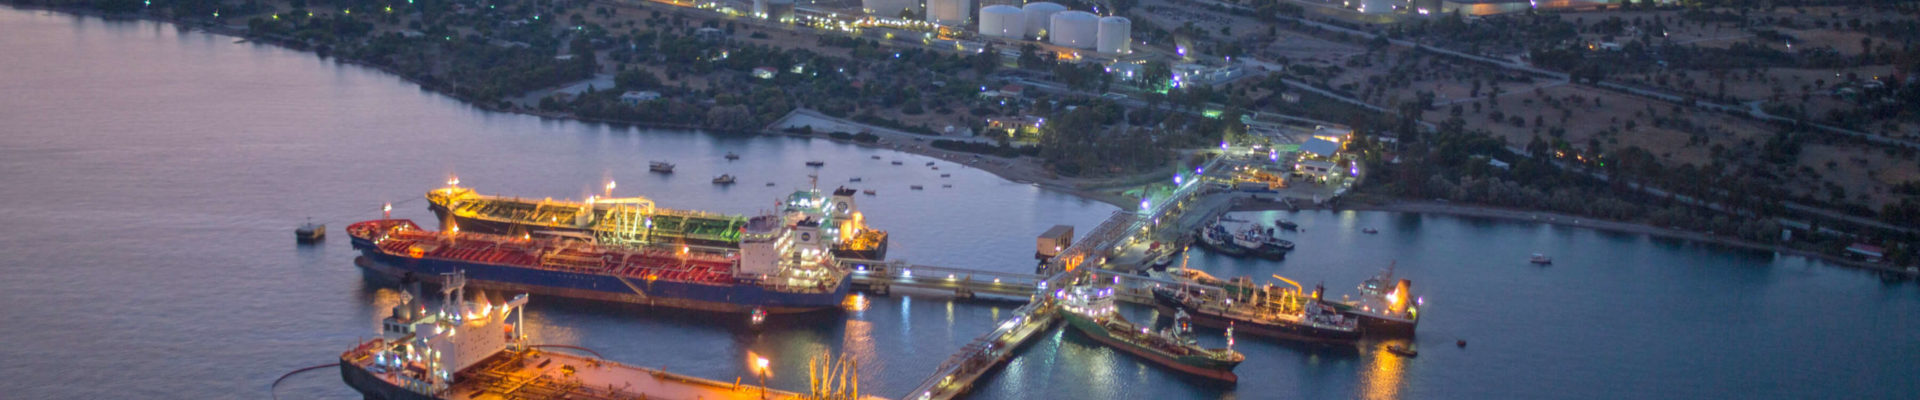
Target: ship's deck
(648, 263)
(551, 375)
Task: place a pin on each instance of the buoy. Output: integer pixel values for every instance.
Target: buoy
(1462, 343)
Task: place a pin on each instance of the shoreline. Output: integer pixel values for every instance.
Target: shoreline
(1023, 170)
(1519, 215)
(1015, 170)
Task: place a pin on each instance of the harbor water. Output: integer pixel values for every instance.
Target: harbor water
(151, 178)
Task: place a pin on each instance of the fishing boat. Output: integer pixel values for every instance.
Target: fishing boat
(1541, 259)
(661, 167)
(723, 179)
(1091, 312)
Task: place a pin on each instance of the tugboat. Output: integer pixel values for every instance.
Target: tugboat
(1091, 311)
(816, 163)
(1261, 242)
(723, 179)
(310, 232)
(1285, 316)
(731, 156)
(1540, 259)
(1216, 238)
(661, 167)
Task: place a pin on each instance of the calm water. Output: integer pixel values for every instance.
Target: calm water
(150, 178)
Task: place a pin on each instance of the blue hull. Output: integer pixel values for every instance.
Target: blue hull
(665, 293)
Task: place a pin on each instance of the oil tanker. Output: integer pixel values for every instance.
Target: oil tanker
(778, 267)
(637, 221)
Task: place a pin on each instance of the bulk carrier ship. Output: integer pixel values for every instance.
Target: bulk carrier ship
(636, 221)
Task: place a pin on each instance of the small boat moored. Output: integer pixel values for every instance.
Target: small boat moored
(310, 232)
(1403, 350)
(661, 167)
(723, 179)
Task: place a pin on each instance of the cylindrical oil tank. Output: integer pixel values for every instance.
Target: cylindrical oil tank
(890, 8)
(948, 12)
(1002, 21)
(1039, 17)
(1115, 35)
(1076, 29)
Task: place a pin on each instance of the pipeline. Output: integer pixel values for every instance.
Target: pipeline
(596, 354)
(276, 382)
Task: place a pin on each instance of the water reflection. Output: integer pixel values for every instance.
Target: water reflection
(1383, 377)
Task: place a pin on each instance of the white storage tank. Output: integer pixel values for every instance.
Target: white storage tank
(890, 8)
(1002, 21)
(1116, 34)
(948, 12)
(1039, 17)
(1076, 29)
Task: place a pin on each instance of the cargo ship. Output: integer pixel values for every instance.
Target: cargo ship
(1091, 311)
(476, 348)
(636, 221)
(1283, 318)
(779, 268)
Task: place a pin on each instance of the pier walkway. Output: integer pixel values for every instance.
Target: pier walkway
(882, 277)
(959, 373)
